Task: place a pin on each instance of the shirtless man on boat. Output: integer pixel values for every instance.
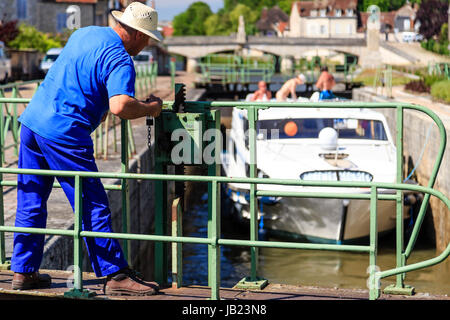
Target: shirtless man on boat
(262, 94)
(325, 84)
(289, 88)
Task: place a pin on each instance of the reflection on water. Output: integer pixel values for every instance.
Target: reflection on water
(301, 267)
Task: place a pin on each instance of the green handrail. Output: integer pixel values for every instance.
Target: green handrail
(214, 240)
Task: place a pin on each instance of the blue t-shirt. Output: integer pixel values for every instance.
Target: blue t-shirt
(74, 96)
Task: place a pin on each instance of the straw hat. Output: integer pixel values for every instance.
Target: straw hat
(140, 17)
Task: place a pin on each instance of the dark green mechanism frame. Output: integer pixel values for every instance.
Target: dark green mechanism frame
(204, 116)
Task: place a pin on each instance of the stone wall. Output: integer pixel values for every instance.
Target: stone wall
(416, 130)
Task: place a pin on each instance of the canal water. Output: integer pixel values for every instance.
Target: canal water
(298, 267)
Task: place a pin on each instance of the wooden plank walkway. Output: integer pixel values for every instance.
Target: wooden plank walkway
(61, 280)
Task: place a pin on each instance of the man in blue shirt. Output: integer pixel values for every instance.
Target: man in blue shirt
(93, 74)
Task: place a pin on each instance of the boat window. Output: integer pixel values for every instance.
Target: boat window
(310, 128)
(50, 57)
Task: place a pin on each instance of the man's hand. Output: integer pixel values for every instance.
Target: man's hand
(127, 107)
(156, 105)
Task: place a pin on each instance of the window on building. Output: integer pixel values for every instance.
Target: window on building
(406, 24)
(61, 22)
(313, 13)
(338, 28)
(21, 6)
(322, 29)
(350, 29)
(349, 12)
(323, 12)
(338, 13)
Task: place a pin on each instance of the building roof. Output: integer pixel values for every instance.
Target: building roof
(386, 18)
(270, 18)
(305, 7)
(407, 11)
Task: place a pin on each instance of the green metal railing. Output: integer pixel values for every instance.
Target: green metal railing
(9, 115)
(214, 241)
(439, 69)
(383, 79)
(146, 75)
(227, 68)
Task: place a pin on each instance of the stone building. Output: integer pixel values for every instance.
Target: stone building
(51, 16)
(323, 19)
(273, 22)
(402, 20)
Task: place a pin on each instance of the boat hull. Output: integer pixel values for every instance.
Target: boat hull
(319, 220)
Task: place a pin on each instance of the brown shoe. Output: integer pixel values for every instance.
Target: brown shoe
(126, 282)
(33, 280)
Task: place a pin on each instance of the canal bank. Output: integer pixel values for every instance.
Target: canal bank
(421, 143)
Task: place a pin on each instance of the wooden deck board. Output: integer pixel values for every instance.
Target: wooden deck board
(61, 279)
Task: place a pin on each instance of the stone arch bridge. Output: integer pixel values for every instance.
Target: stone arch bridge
(195, 47)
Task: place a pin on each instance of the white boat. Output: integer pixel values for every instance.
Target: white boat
(314, 144)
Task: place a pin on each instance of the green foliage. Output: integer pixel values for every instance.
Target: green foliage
(250, 18)
(443, 36)
(385, 5)
(191, 22)
(31, 38)
(430, 80)
(436, 46)
(441, 90)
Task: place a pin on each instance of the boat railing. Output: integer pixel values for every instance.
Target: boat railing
(214, 241)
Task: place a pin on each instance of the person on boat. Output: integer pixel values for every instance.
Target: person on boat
(93, 75)
(325, 84)
(289, 87)
(262, 94)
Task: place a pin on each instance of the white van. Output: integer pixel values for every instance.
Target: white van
(5, 65)
(409, 37)
(143, 58)
(49, 59)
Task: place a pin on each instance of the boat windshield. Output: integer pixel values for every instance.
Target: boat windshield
(309, 128)
(51, 57)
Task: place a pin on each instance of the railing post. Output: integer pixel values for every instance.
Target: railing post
(77, 291)
(4, 264)
(15, 124)
(161, 268)
(77, 245)
(399, 201)
(399, 287)
(2, 128)
(125, 191)
(253, 281)
(374, 285)
(214, 248)
(177, 248)
(214, 208)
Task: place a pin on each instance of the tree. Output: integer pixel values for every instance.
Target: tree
(218, 24)
(250, 18)
(31, 38)
(432, 14)
(191, 22)
(8, 31)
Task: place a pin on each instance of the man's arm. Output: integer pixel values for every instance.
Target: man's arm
(292, 89)
(127, 107)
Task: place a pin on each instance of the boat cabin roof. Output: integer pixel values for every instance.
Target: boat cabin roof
(298, 113)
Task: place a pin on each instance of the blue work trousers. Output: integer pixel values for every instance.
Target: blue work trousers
(33, 191)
